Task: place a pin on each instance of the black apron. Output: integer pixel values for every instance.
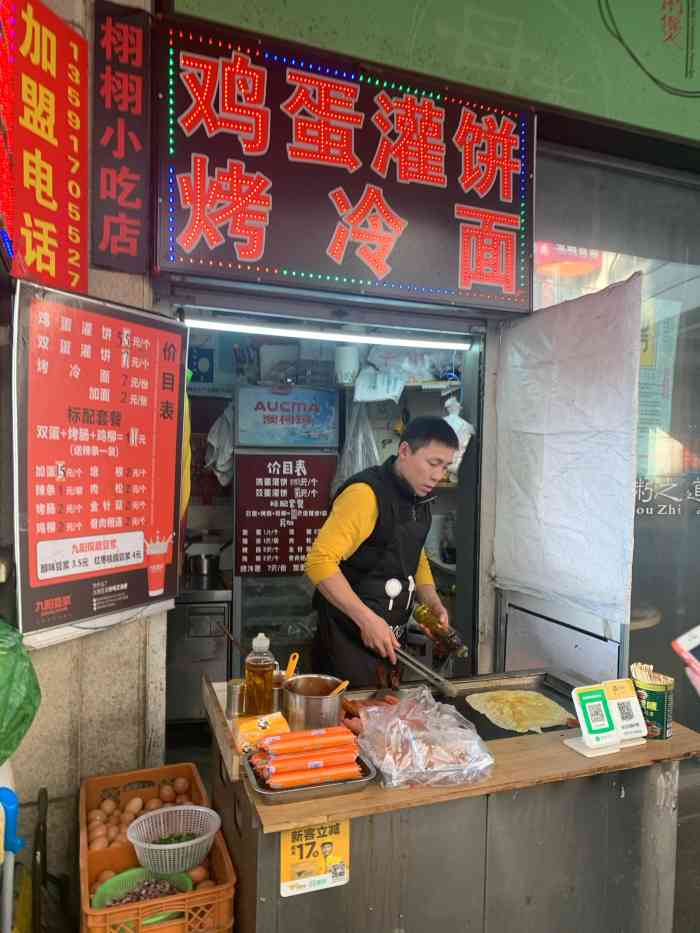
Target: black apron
(392, 551)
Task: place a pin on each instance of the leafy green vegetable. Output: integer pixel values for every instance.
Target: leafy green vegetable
(175, 838)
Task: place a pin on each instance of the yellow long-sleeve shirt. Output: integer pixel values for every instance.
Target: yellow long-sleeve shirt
(351, 522)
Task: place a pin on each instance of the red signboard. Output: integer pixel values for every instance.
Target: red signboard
(7, 120)
(121, 139)
(99, 392)
(285, 165)
(282, 499)
(49, 227)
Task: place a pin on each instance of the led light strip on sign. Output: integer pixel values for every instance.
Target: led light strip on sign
(260, 54)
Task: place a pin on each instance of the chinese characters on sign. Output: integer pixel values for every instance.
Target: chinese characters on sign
(286, 416)
(674, 497)
(672, 19)
(120, 139)
(99, 410)
(314, 857)
(282, 499)
(49, 230)
(292, 168)
(7, 118)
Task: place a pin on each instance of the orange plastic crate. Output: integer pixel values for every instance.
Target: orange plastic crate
(210, 910)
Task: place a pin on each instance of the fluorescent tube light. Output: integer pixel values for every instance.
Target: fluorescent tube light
(335, 337)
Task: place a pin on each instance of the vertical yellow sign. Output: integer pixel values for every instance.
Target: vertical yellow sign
(648, 357)
(314, 858)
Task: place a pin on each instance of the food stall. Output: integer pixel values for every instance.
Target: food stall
(545, 838)
(548, 840)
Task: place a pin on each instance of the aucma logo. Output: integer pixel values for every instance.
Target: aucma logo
(660, 38)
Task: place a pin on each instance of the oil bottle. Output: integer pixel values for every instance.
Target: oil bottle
(447, 642)
(259, 673)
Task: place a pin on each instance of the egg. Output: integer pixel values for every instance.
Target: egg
(96, 815)
(112, 833)
(198, 874)
(181, 785)
(105, 876)
(165, 805)
(182, 799)
(154, 804)
(127, 818)
(115, 819)
(134, 806)
(108, 807)
(203, 885)
(99, 843)
(96, 829)
(167, 793)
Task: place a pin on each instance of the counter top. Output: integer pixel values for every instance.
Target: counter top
(520, 762)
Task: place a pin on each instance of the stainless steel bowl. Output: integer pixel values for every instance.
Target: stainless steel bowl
(307, 704)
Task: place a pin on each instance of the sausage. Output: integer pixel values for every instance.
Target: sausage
(281, 740)
(289, 763)
(354, 724)
(308, 745)
(320, 776)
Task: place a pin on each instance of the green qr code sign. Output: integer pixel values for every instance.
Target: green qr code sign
(596, 712)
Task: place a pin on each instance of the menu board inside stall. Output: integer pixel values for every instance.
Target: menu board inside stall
(282, 499)
(98, 402)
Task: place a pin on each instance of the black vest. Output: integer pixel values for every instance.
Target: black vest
(394, 546)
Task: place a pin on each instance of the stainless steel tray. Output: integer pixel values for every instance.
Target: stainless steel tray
(312, 791)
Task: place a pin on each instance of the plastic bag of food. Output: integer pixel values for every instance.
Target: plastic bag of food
(360, 450)
(19, 691)
(421, 741)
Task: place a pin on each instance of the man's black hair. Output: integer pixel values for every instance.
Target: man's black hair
(421, 431)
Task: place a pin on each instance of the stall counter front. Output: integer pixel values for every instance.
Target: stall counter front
(550, 842)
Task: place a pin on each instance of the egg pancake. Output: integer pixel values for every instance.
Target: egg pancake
(518, 710)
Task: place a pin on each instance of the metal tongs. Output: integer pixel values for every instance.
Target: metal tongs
(443, 686)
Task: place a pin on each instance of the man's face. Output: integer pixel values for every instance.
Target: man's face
(326, 848)
(425, 468)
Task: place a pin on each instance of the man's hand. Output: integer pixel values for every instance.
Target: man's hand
(378, 636)
(441, 613)
(427, 594)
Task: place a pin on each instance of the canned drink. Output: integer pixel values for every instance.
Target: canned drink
(655, 692)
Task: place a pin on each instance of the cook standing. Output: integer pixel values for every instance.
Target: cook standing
(368, 563)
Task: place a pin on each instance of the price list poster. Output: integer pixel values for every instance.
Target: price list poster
(98, 401)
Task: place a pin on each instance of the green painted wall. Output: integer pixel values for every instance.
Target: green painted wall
(577, 54)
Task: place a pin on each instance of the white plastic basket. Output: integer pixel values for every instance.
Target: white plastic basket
(145, 831)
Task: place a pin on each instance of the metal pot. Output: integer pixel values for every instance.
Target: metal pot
(202, 565)
(278, 692)
(307, 704)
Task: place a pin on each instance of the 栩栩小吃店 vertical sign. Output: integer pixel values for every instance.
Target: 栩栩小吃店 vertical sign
(284, 165)
(282, 499)
(48, 232)
(98, 413)
(121, 153)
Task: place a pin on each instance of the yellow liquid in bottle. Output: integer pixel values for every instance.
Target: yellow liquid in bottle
(259, 675)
